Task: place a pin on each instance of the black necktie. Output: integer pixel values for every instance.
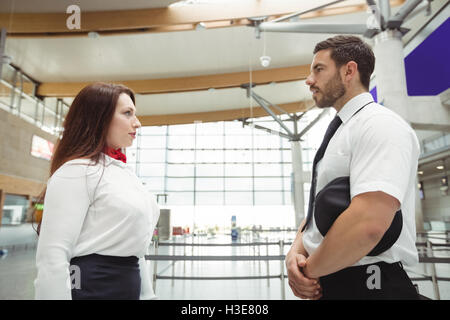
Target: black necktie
(334, 125)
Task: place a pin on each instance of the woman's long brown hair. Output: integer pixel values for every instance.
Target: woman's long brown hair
(86, 126)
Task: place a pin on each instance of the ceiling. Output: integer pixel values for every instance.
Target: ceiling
(434, 168)
(165, 55)
(86, 5)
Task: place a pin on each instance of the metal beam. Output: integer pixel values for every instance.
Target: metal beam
(257, 126)
(303, 12)
(313, 27)
(385, 12)
(397, 20)
(309, 126)
(262, 103)
(2, 50)
(431, 126)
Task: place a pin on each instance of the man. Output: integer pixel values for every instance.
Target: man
(379, 153)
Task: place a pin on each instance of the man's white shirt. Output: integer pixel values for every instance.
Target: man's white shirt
(379, 151)
(102, 209)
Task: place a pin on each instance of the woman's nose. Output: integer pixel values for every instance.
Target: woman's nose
(137, 123)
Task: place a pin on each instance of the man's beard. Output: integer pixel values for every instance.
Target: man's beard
(333, 90)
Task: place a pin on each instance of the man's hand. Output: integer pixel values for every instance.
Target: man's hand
(301, 286)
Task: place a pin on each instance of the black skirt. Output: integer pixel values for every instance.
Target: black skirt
(103, 277)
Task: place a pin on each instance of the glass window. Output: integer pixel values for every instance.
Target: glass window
(181, 142)
(275, 170)
(268, 184)
(208, 198)
(287, 156)
(182, 129)
(287, 169)
(209, 142)
(238, 170)
(210, 128)
(235, 128)
(131, 155)
(268, 198)
(155, 142)
(237, 184)
(180, 184)
(180, 198)
(203, 170)
(267, 141)
(239, 198)
(154, 183)
(287, 184)
(154, 130)
(180, 170)
(267, 155)
(152, 170)
(238, 156)
(207, 184)
(209, 156)
(288, 198)
(152, 155)
(180, 156)
(238, 142)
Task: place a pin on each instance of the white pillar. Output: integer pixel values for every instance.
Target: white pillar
(391, 86)
(390, 72)
(297, 168)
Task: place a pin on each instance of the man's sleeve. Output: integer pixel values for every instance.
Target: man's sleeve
(382, 157)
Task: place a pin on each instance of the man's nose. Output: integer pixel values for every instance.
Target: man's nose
(310, 80)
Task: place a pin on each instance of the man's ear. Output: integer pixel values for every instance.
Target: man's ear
(350, 71)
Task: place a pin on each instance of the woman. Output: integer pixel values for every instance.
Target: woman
(98, 219)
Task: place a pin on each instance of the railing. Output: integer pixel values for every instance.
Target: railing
(266, 258)
(26, 105)
(436, 143)
(427, 258)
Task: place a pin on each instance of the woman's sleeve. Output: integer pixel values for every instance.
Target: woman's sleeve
(147, 292)
(65, 206)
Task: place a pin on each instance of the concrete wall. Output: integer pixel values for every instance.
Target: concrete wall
(16, 135)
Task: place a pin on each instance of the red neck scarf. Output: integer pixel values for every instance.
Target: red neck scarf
(116, 154)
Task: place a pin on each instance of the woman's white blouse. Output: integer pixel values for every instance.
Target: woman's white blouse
(102, 209)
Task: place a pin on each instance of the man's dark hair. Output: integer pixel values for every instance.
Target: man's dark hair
(350, 48)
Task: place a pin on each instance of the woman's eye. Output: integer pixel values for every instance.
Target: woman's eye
(128, 113)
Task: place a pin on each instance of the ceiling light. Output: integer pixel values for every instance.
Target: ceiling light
(440, 167)
(200, 26)
(420, 172)
(265, 61)
(182, 3)
(93, 35)
(5, 59)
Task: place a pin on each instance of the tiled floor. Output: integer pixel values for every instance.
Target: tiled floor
(17, 270)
